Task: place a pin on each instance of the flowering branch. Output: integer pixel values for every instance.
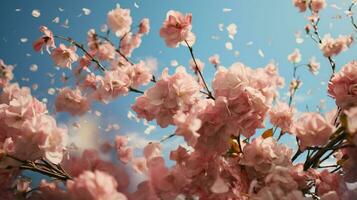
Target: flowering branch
(319, 41)
(351, 14)
(209, 93)
(45, 168)
(80, 46)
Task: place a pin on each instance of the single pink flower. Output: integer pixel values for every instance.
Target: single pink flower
(295, 57)
(282, 116)
(72, 101)
(312, 130)
(200, 65)
(144, 26)
(301, 4)
(119, 20)
(317, 5)
(45, 40)
(115, 83)
(214, 60)
(64, 56)
(106, 51)
(343, 86)
(129, 43)
(176, 28)
(124, 153)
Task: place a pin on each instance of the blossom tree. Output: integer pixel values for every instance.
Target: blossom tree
(225, 156)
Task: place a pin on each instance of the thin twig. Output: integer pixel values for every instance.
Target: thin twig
(209, 93)
(81, 46)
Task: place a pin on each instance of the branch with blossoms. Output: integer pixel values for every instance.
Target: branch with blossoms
(225, 156)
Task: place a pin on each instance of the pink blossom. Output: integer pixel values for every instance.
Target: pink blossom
(124, 153)
(332, 47)
(314, 66)
(317, 5)
(91, 161)
(329, 182)
(45, 40)
(214, 60)
(176, 28)
(312, 130)
(200, 65)
(301, 4)
(27, 131)
(144, 26)
(352, 120)
(279, 185)
(179, 155)
(295, 57)
(6, 74)
(170, 94)
(249, 94)
(64, 56)
(282, 116)
(141, 74)
(129, 43)
(95, 185)
(115, 83)
(343, 86)
(72, 101)
(187, 126)
(119, 20)
(264, 154)
(106, 51)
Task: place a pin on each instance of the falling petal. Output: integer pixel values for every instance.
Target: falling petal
(36, 13)
(229, 45)
(225, 10)
(23, 40)
(56, 20)
(174, 63)
(86, 11)
(33, 67)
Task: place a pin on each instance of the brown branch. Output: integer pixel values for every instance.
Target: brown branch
(209, 93)
(315, 159)
(45, 168)
(352, 18)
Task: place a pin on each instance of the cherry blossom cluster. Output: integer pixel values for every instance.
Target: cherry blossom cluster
(230, 149)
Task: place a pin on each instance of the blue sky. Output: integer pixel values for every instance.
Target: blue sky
(268, 26)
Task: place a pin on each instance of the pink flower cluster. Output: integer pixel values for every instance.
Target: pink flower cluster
(343, 86)
(28, 132)
(281, 115)
(248, 95)
(72, 101)
(263, 155)
(170, 94)
(332, 47)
